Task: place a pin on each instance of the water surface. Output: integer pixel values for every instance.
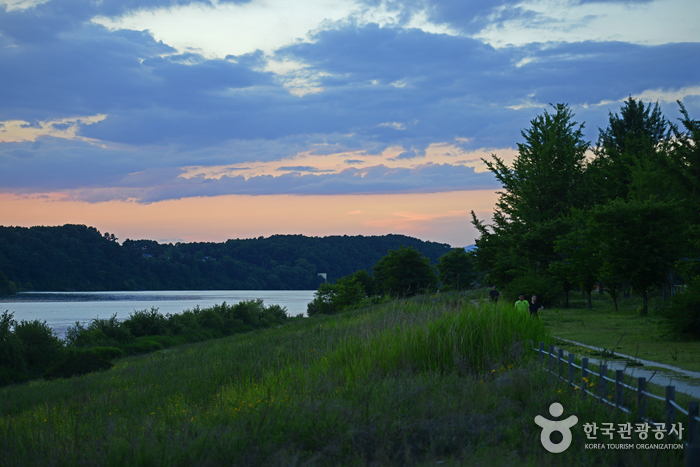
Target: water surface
(63, 309)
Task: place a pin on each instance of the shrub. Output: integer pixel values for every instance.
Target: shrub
(683, 316)
(112, 328)
(74, 362)
(40, 343)
(209, 318)
(346, 292)
(146, 323)
(183, 323)
(13, 366)
(81, 337)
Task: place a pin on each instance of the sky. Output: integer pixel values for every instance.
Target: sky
(179, 120)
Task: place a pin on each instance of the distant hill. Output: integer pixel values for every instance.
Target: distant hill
(80, 258)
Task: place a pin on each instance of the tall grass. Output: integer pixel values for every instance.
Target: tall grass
(403, 383)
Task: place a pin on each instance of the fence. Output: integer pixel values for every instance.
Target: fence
(692, 446)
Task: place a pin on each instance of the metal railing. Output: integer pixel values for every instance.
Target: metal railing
(555, 361)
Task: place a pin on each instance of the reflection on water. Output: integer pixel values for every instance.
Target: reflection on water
(63, 309)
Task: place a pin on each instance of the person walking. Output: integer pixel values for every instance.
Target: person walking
(494, 294)
(535, 306)
(522, 305)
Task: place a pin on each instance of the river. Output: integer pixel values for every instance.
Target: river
(63, 309)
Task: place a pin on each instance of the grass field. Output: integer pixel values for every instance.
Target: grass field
(624, 331)
(417, 382)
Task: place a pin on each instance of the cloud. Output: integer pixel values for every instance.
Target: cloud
(301, 168)
(105, 112)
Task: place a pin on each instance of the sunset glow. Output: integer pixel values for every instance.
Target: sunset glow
(207, 120)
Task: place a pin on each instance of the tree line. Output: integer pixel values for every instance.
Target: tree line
(404, 272)
(80, 258)
(621, 214)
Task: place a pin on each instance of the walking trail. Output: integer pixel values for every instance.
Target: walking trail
(685, 381)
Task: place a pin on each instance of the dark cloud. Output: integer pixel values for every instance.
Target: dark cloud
(166, 110)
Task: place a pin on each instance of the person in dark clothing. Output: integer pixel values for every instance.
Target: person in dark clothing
(535, 306)
(494, 294)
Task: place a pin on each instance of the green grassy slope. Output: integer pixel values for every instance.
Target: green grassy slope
(404, 383)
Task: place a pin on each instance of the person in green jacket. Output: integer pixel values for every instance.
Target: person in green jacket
(522, 305)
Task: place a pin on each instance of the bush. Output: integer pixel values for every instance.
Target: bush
(13, 366)
(683, 316)
(183, 323)
(81, 337)
(113, 329)
(210, 319)
(146, 323)
(74, 362)
(346, 292)
(40, 343)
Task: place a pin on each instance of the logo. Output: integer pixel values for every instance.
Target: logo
(550, 426)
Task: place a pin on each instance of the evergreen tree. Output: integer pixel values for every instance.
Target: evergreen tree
(547, 179)
(632, 144)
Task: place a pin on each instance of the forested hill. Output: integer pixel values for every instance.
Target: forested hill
(77, 257)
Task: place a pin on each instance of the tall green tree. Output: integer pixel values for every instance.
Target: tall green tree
(580, 262)
(547, 179)
(629, 148)
(637, 240)
(404, 272)
(684, 167)
(456, 269)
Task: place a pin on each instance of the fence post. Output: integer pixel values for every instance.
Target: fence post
(692, 447)
(541, 352)
(550, 354)
(619, 399)
(571, 369)
(602, 389)
(584, 377)
(641, 397)
(670, 409)
(560, 361)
